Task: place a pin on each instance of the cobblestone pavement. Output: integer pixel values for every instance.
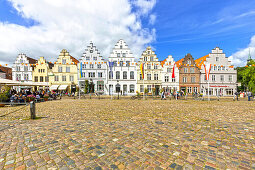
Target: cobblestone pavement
(106, 134)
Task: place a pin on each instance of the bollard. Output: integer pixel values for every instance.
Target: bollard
(32, 109)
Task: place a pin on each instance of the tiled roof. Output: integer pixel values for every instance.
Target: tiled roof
(200, 61)
(31, 60)
(179, 62)
(163, 62)
(74, 59)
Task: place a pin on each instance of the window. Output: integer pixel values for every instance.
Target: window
(118, 54)
(26, 77)
(219, 68)
(148, 66)
(184, 79)
(195, 89)
(26, 68)
(36, 78)
(41, 78)
(100, 74)
(92, 74)
(121, 63)
(221, 77)
(68, 69)
(229, 92)
(128, 63)
(169, 70)
(149, 52)
(205, 77)
(71, 78)
(189, 89)
(46, 78)
(223, 68)
(95, 58)
(59, 69)
(149, 88)
(141, 88)
(63, 78)
(155, 66)
(192, 70)
(215, 68)
(185, 70)
(83, 66)
(120, 46)
(213, 77)
(110, 74)
(173, 79)
(91, 66)
(148, 76)
(63, 61)
(217, 58)
(124, 75)
(17, 68)
(166, 78)
(152, 58)
(230, 78)
(100, 85)
(91, 51)
(115, 63)
(145, 58)
(132, 75)
(193, 79)
(124, 54)
(21, 61)
(99, 66)
(56, 78)
(155, 76)
(141, 77)
(83, 74)
(117, 75)
(87, 58)
(19, 77)
(132, 88)
(188, 62)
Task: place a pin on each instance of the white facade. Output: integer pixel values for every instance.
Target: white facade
(93, 67)
(168, 83)
(223, 76)
(123, 72)
(22, 68)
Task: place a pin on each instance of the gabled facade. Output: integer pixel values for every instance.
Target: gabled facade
(152, 73)
(42, 73)
(123, 72)
(189, 75)
(22, 68)
(65, 73)
(93, 67)
(168, 83)
(223, 76)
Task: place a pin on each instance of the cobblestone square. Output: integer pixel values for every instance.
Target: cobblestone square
(129, 134)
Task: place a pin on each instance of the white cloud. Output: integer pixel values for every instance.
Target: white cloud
(240, 57)
(153, 18)
(72, 25)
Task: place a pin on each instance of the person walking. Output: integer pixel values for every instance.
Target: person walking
(236, 96)
(249, 95)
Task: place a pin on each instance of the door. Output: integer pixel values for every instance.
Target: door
(124, 89)
(157, 90)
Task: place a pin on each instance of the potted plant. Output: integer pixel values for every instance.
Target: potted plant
(46, 97)
(30, 98)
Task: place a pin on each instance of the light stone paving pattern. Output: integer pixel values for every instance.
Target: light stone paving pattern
(129, 134)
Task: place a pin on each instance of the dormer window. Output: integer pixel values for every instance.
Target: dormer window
(91, 51)
(188, 62)
(120, 46)
(63, 61)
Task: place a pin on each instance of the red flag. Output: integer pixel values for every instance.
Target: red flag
(173, 75)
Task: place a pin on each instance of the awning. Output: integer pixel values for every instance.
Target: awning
(54, 87)
(62, 87)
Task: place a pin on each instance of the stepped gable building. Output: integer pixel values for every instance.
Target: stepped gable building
(122, 74)
(42, 73)
(6, 72)
(223, 76)
(65, 73)
(152, 73)
(93, 68)
(22, 69)
(168, 83)
(189, 75)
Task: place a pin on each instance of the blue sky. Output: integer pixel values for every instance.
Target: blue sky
(181, 27)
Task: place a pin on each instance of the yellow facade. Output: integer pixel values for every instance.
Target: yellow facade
(152, 73)
(42, 73)
(65, 71)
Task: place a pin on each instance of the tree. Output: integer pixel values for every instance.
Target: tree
(246, 75)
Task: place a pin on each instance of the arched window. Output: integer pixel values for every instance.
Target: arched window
(132, 75)
(110, 74)
(124, 75)
(117, 75)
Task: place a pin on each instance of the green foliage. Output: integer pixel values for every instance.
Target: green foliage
(4, 94)
(246, 75)
(146, 91)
